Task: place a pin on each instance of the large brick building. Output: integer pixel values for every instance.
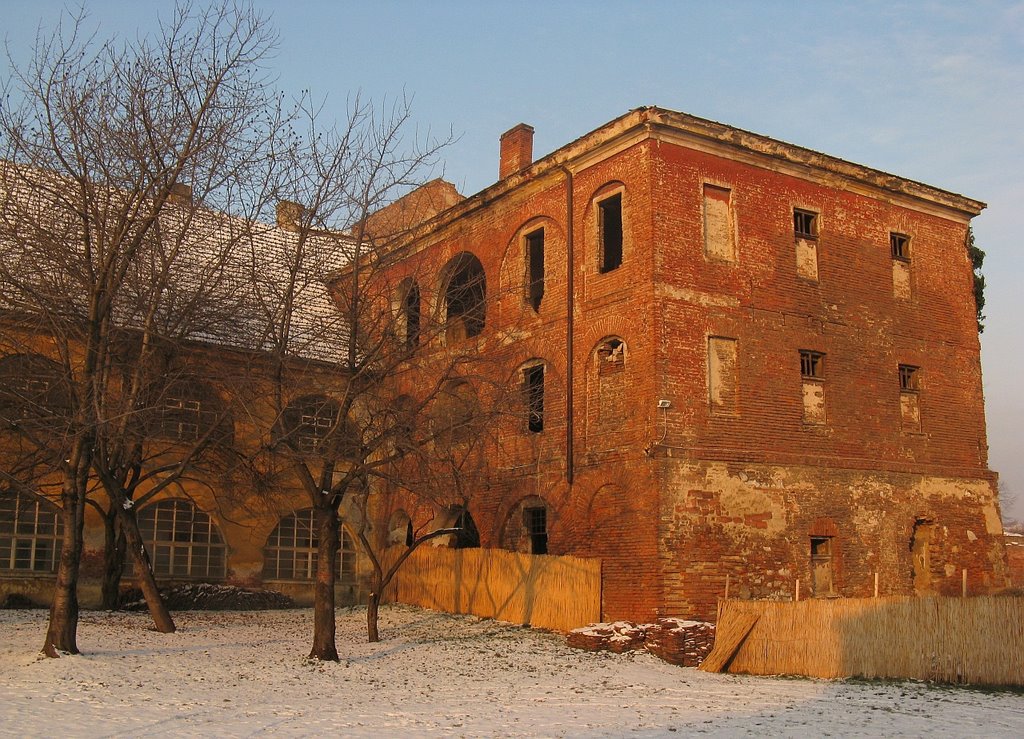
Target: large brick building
(744, 364)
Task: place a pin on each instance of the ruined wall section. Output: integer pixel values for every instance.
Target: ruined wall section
(754, 524)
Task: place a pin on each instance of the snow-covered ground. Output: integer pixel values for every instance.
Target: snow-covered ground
(245, 674)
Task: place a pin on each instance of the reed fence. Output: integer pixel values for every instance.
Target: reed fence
(978, 640)
(558, 593)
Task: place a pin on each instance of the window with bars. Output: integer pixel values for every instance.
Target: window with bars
(535, 521)
(805, 224)
(899, 245)
(812, 364)
(291, 550)
(314, 427)
(30, 534)
(182, 541)
(909, 378)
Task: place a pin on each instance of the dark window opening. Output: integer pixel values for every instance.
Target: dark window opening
(411, 311)
(467, 536)
(533, 387)
(812, 365)
(535, 268)
(909, 380)
(535, 520)
(409, 537)
(900, 245)
(805, 224)
(610, 225)
(465, 297)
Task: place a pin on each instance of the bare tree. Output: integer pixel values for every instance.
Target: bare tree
(117, 155)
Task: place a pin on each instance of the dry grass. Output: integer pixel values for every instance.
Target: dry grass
(559, 593)
(954, 640)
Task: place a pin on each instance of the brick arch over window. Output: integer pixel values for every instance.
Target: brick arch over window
(33, 391)
(191, 408)
(312, 426)
(291, 550)
(527, 526)
(607, 227)
(464, 297)
(30, 533)
(530, 267)
(182, 541)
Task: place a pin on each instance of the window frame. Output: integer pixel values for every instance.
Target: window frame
(344, 565)
(533, 376)
(899, 246)
(812, 365)
(805, 224)
(26, 539)
(535, 526)
(178, 517)
(909, 378)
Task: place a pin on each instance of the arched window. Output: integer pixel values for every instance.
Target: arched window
(189, 409)
(291, 550)
(33, 391)
(526, 528)
(465, 297)
(409, 312)
(182, 541)
(400, 529)
(467, 536)
(30, 533)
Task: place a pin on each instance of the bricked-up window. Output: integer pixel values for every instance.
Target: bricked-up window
(899, 244)
(611, 384)
(909, 378)
(822, 573)
(805, 224)
(719, 242)
(812, 372)
(535, 521)
(812, 364)
(533, 397)
(609, 220)
(182, 541)
(30, 533)
(535, 268)
(910, 401)
(411, 314)
(722, 375)
(291, 550)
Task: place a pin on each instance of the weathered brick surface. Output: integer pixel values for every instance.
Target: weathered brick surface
(675, 500)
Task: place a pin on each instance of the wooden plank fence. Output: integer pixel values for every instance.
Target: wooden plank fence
(978, 640)
(558, 593)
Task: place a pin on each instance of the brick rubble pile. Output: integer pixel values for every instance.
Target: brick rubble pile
(674, 640)
(618, 637)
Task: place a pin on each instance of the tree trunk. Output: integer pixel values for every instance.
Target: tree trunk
(323, 599)
(62, 629)
(372, 614)
(113, 560)
(144, 572)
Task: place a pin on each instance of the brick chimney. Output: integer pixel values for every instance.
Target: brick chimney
(289, 215)
(516, 150)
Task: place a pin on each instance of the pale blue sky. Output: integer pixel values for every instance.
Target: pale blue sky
(933, 91)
